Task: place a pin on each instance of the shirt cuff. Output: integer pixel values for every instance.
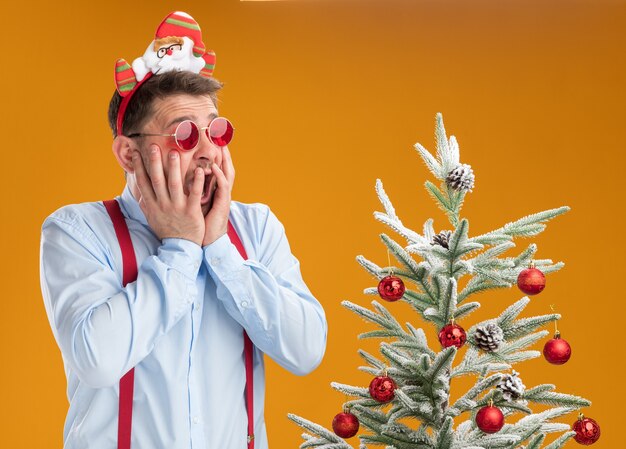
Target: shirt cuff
(223, 258)
(181, 254)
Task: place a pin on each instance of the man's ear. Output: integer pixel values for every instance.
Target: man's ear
(123, 150)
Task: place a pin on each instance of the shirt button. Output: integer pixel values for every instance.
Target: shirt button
(196, 420)
(244, 303)
(196, 264)
(189, 300)
(215, 261)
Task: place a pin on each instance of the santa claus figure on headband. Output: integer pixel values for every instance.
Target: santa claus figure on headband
(177, 45)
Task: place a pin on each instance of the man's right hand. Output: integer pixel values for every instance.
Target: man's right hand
(169, 212)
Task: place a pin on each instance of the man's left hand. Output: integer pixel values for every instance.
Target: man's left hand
(216, 220)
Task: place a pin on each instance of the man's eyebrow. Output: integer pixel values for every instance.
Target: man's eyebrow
(212, 115)
(178, 120)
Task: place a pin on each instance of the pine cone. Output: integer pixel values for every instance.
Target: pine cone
(488, 337)
(461, 178)
(442, 239)
(512, 386)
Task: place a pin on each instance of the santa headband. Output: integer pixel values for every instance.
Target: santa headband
(177, 45)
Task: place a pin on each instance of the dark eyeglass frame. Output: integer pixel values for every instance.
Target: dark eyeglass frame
(161, 52)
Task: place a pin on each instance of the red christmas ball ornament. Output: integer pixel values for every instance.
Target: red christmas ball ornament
(345, 424)
(391, 288)
(587, 430)
(557, 351)
(382, 388)
(452, 335)
(531, 280)
(490, 419)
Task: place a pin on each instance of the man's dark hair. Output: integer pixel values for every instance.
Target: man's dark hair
(159, 87)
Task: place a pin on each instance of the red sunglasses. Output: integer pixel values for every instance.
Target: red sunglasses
(187, 134)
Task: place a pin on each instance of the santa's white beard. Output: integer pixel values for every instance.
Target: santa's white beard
(178, 60)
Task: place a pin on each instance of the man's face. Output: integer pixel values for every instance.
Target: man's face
(167, 114)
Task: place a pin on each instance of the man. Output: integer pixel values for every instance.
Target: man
(181, 322)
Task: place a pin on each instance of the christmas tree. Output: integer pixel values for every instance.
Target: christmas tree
(407, 404)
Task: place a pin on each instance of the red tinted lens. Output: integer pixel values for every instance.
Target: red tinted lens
(187, 135)
(220, 131)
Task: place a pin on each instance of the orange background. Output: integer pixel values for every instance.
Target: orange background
(326, 97)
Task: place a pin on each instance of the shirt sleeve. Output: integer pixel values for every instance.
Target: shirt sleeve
(269, 298)
(102, 328)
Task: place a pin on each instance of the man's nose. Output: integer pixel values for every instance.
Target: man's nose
(207, 149)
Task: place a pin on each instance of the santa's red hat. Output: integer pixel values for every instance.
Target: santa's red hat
(179, 24)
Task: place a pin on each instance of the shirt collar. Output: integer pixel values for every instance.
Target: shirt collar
(130, 206)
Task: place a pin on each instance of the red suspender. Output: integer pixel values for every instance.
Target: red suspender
(127, 382)
(125, 417)
(247, 345)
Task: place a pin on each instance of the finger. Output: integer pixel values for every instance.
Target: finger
(195, 192)
(174, 183)
(228, 167)
(143, 182)
(157, 175)
(222, 192)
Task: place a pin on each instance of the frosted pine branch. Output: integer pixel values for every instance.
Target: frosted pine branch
(373, 361)
(526, 226)
(384, 200)
(350, 390)
(392, 220)
(396, 225)
(479, 284)
(536, 441)
(431, 163)
(401, 360)
(507, 317)
(401, 254)
(442, 201)
(446, 309)
(445, 435)
(466, 402)
(419, 301)
(526, 325)
(316, 429)
(466, 309)
(537, 419)
(437, 381)
(543, 394)
(429, 231)
(443, 148)
(370, 267)
(529, 220)
(383, 318)
(460, 244)
(560, 442)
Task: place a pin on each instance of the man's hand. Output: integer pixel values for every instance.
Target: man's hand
(216, 221)
(170, 213)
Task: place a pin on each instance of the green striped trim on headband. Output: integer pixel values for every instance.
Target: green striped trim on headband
(127, 87)
(127, 80)
(122, 68)
(183, 24)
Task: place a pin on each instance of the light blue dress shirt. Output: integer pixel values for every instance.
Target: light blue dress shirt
(180, 324)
